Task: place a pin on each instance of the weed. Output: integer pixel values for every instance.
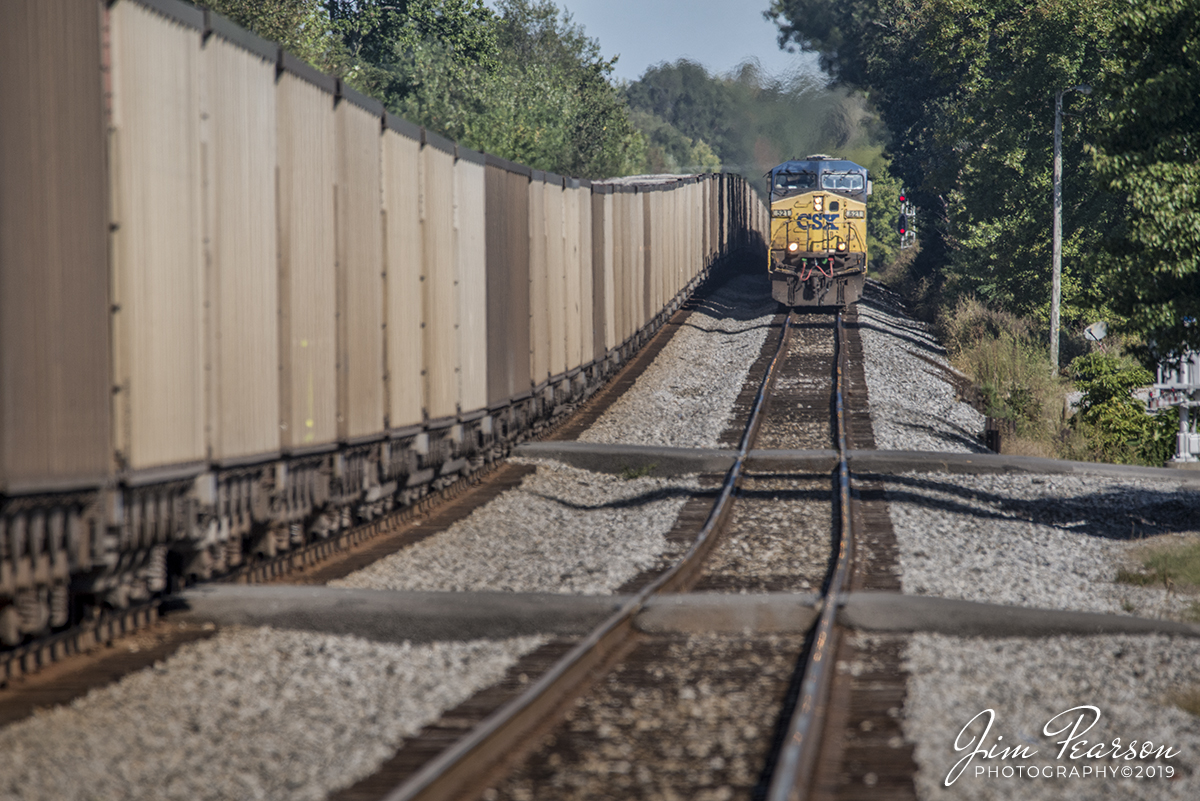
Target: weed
(1000, 352)
(1007, 358)
(1127, 604)
(1169, 565)
(1114, 423)
(1138, 578)
(1179, 564)
(630, 473)
(1188, 700)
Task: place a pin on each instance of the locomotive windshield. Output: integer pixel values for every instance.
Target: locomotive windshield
(842, 182)
(789, 181)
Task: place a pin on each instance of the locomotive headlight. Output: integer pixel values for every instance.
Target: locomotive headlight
(841, 245)
(818, 203)
(793, 246)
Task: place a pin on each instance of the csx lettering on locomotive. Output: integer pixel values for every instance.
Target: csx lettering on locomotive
(817, 222)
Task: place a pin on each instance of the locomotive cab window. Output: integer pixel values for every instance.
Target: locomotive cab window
(842, 182)
(790, 181)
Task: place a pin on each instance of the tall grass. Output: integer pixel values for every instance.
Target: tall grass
(1008, 359)
(1002, 354)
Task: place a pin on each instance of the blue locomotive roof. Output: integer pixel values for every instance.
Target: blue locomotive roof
(819, 172)
(818, 165)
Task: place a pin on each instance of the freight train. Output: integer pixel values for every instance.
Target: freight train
(243, 308)
(818, 243)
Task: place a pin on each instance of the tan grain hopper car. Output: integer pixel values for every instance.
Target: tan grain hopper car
(243, 308)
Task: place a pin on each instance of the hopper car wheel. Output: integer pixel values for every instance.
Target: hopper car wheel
(10, 626)
(60, 605)
(33, 607)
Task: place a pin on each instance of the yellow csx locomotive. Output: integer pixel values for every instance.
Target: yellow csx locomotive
(818, 253)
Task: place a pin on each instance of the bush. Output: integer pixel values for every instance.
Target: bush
(1116, 424)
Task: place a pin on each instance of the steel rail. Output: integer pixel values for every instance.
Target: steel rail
(466, 765)
(796, 764)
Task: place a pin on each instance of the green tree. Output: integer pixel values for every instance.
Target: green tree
(668, 150)
(750, 120)
(301, 26)
(523, 82)
(551, 103)
(693, 104)
(701, 158)
(394, 42)
(966, 89)
(883, 216)
(1148, 151)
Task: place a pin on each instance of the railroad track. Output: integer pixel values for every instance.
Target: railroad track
(744, 638)
(630, 655)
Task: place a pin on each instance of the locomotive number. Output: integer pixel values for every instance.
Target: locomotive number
(781, 212)
(858, 214)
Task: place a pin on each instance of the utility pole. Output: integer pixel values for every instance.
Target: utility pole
(1056, 246)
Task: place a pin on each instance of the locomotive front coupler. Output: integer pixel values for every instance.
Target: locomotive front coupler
(829, 266)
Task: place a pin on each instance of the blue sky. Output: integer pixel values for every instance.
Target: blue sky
(719, 34)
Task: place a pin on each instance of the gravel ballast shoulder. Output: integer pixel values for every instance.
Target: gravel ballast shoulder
(1045, 541)
(1027, 540)
(914, 404)
(251, 714)
(563, 530)
(685, 397)
(1027, 683)
(1055, 542)
(572, 531)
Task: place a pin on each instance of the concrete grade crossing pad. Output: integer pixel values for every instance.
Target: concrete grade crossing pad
(892, 462)
(664, 461)
(393, 616)
(723, 613)
(655, 460)
(390, 616)
(891, 612)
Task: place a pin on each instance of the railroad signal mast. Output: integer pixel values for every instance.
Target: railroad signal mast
(908, 215)
(1179, 385)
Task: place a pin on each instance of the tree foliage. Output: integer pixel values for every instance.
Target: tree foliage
(966, 89)
(301, 26)
(390, 40)
(1115, 423)
(1148, 151)
(523, 82)
(751, 121)
(669, 151)
(552, 103)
